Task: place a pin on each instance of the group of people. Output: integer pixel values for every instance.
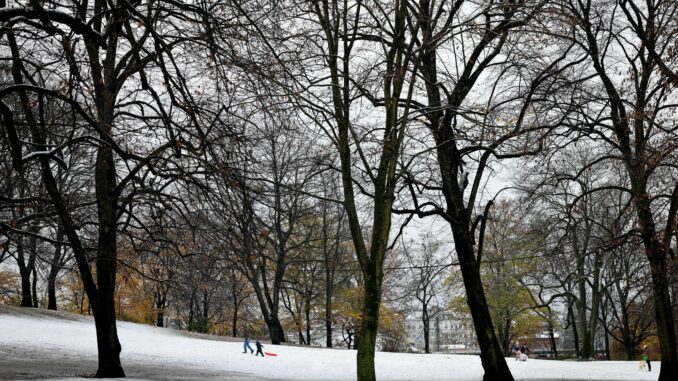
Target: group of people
(520, 351)
(246, 346)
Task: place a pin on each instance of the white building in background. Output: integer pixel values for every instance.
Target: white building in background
(447, 332)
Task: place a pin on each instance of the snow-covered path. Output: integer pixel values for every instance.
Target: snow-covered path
(44, 345)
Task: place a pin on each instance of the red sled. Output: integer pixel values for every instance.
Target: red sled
(270, 354)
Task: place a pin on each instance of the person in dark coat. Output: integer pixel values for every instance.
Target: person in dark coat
(259, 346)
(515, 348)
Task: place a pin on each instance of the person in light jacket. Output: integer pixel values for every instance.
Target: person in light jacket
(246, 344)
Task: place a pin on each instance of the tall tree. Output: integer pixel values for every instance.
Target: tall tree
(112, 51)
(470, 128)
(632, 123)
(340, 23)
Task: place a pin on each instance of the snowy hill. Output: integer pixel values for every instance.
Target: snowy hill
(36, 344)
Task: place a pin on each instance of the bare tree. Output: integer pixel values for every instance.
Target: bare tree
(340, 24)
(426, 272)
(111, 50)
(630, 122)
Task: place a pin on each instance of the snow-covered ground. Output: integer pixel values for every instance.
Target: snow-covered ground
(48, 345)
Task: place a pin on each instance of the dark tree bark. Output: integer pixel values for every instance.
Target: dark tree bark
(275, 330)
(55, 267)
(572, 323)
(160, 305)
(237, 297)
(234, 324)
(332, 230)
(24, 273)
(307, 313)
(505, 336)
(25, 257)
(34, 285)
(369, 327)
(552, 339)
(425, 319)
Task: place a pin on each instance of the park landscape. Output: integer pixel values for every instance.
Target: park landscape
(373, 189)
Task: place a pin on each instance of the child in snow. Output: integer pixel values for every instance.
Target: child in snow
(259, 346)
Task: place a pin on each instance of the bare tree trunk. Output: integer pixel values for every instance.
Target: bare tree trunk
(369, 327)
(664, 318)
(160, 319)
(426, 321)
(505, 336)
(657, 254)
(552, 339)
(106, 262)
(595, 303)
(236, 307)
(582, 296)
(205, 312)
(107, 343)
(329, 257)
(160, 304)
(24, 273)
(34, 285)
(630, 352)
(492, 356)
(607, 345)
(275, 330)
(329, 286)
(573, 324)
(308, 323)
(234, 323)
(328, 328)
(33, 272)
(54, 269)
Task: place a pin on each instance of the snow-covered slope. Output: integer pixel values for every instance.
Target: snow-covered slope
(41, 345)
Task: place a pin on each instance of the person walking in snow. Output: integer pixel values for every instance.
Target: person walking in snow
(647, 353)
(524, 349)
(259, 346)
(246, 344)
